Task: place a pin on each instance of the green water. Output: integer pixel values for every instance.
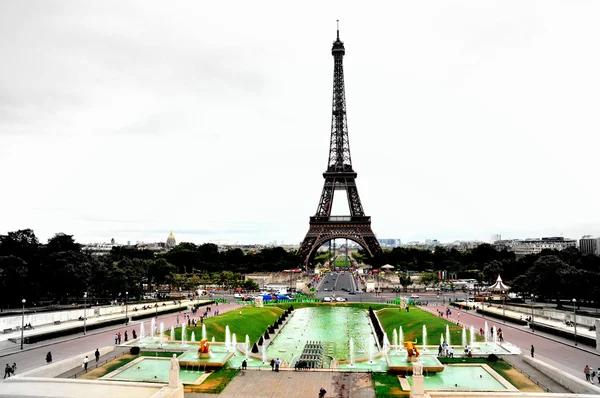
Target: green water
(333, 325)
(155, 370)
(460, 378)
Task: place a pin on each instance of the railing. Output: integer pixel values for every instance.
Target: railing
(99, 363)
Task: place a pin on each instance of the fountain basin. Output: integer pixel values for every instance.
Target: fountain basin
(218, 357)
(400, 363)
(466, 377)
(153, 370)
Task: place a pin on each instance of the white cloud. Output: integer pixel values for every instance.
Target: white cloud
(129, 119)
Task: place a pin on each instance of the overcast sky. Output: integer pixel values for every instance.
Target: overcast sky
(125, 120)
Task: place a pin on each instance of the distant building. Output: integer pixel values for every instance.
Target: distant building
(523, 247)
(589, 245)
(390, 242)
(171, 241)
(495, 238)
(112, 241)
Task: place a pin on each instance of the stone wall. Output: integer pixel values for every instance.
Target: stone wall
(570, 382)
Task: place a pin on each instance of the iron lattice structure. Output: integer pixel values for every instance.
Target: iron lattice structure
(339, 176)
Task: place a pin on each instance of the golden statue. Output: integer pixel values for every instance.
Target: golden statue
(203, 347)
(411, 349)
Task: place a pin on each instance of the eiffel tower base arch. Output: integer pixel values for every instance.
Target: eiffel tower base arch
(324, 229)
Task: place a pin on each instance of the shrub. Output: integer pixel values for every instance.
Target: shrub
(492, 358)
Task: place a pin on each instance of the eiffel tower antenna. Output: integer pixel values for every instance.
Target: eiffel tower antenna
(339, 176)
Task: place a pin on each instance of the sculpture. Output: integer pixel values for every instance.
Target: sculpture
(412, 350)
(174, 363)
(203, 347)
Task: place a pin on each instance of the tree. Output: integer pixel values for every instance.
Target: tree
(429, 278)
(61, 242)
(405, 280)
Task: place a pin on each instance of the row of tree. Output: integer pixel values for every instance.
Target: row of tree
(61, 268)
(61, 271)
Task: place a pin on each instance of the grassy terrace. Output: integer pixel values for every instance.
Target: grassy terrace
(253, 322)
(412, 325)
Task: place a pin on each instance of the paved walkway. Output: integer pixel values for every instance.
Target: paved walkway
(292, 384)
(551, 323)
(91, 321)
(92, 364)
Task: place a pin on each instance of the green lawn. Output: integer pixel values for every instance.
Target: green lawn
(215, 383)
(387, 385)
(341, 262)
(253, 322)
(412, 325)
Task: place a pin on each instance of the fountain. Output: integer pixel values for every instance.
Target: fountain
(442, 339)
(494, 336)
(370, 348)
(264, 353)
(424, 337)
(213, 339)
(352, 348)
(193, 337)
(394, 340)
(183, 334)
(203, 331)
(247, 347)
(464, 337)
(153, 327)
(142, 331)
(233, 343)
(485, 332)
(172, 333)
(472, 336)
(162, 333)
(227, 338)
(386, 343)
(400, 335)
(448, 335)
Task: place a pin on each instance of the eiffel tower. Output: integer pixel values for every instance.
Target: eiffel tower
(339, 176)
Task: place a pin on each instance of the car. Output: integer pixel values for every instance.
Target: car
(340, 299)
(353, 292)
(238, 295)
(414, 296)
(326, 289)
(327, 299)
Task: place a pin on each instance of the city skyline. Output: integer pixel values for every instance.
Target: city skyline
(465, 120)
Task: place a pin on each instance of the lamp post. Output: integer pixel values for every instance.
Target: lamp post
(126, 317)
(84, 311)
(22, 322)
(575, 319)
(504, 306)
(532, 302)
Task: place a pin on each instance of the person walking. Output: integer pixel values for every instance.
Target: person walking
(14, 368)
(97, 355)
(277, 363)
(116, 338)
(85, 363)
(126, 335)
(586, 371)
(244, 364)
(322, 392)
(7, 371)
(134, 334)
(272, 365)
(119, 337)
(532, 350)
